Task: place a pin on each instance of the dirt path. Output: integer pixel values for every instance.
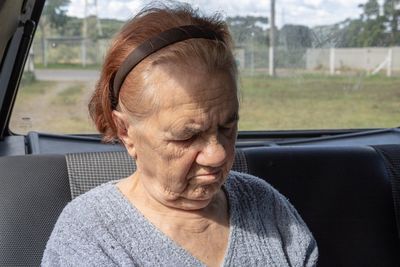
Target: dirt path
(47, 112)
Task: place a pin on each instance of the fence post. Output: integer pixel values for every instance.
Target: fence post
(252, 55)
(271, 61)
(272, 42)
(45, 53)
(83, 52)
(30, 61)
(367, 61)
(389, 63)
(332, 61)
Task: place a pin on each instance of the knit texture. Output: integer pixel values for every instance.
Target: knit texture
(102, 228)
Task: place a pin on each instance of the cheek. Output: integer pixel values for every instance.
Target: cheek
(180, 162)
(229, 139)
(173, 164)
(229, 144)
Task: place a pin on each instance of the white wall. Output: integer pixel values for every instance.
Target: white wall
(368, 58)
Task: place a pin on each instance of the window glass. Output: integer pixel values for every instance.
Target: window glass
(323, 65)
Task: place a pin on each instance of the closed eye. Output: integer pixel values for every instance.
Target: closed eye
(186, 140)
(227, 131)
(228, 126)
(224, 129)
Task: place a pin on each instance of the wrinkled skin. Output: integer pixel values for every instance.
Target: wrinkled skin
(185, 150)
(183, 153)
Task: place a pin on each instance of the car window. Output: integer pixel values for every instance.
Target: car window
(324, 64)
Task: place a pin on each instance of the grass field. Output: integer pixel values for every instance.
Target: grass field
(68, 66)
(54, 107)
(320, 102)
(301, 102)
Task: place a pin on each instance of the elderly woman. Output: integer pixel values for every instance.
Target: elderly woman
(168, 92)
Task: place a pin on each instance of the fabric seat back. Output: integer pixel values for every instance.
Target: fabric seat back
(33, 192)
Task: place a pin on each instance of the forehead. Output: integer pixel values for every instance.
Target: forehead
(175, 86)
(193, 98)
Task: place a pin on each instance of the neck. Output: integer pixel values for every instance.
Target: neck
(194, 221)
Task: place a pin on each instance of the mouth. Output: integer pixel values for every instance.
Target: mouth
(206, 178)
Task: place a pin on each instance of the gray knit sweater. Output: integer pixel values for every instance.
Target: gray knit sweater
(102, 228)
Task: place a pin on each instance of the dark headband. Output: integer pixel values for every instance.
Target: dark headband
(154, 44)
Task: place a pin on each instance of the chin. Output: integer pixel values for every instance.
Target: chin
(193, 205)
(198, 203)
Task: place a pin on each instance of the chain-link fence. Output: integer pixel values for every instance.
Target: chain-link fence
(251, 58)
(69, 51)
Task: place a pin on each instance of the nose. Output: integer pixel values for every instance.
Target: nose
(213, 153)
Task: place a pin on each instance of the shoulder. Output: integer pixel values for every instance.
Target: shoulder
(248, 185)
(80, 229)
(247, 190)
(262, 207)
(84, 208)
(82, 215)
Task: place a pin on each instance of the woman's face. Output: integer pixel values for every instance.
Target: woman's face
(185, 149)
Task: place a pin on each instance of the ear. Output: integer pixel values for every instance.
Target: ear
(124, 131)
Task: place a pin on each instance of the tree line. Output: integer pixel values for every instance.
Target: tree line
(376, 26)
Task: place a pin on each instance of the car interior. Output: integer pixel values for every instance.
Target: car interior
(344, 183)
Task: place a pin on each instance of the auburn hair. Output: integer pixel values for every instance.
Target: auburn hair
(211, 54)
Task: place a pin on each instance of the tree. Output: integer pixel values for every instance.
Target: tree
(293, 40)
(295, 36)
(368, 30)
(373, 33)
(54, 16)
(349, 36)
(243, 28)
(55, 13)
(371, 9)
(392, 13)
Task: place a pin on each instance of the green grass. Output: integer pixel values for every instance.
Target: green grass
(52, 107)
(34, 89)
(301, 102)
(68, 66)
(70, 96)
(319, 102)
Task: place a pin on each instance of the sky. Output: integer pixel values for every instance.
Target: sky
(301, 12)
